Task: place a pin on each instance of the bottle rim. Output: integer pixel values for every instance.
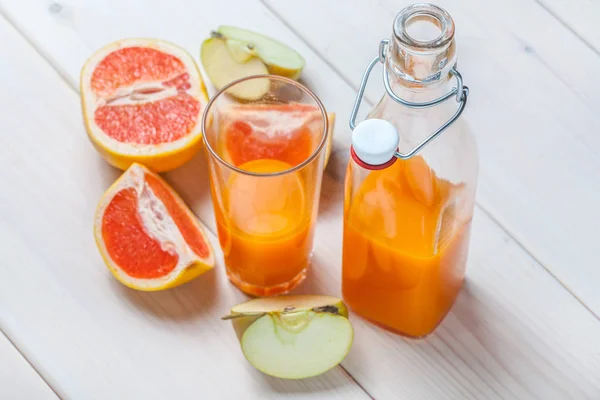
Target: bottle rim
(424, 12)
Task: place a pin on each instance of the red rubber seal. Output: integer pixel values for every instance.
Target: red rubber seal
(369, 166)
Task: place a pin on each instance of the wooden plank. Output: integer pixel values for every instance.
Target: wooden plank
(514, 333)
(89, 336)
(18, 379)
(534, 89)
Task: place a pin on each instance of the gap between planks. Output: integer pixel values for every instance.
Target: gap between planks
(354, 87)
(3, 332)
(565, 25)
(42, 54)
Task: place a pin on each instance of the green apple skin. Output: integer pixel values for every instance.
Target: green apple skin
(279, 58)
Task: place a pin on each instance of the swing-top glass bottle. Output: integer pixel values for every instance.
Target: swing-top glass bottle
(410, 183)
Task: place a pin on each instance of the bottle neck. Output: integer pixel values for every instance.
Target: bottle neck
(422, 52)
(420, 93)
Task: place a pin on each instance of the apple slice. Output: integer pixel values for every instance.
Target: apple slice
(293, 337)
(279, 58)
(222, 68)
(232, 53)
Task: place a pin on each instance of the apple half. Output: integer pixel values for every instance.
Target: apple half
(232, 53)
(293, 337)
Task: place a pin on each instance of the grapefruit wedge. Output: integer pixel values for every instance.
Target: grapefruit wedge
(284, 132)
(142, 101)
(148, 237)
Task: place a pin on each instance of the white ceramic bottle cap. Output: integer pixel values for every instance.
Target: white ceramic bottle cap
(375, 141)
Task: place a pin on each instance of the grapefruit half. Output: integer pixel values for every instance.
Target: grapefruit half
(148, 237)
(142, 101)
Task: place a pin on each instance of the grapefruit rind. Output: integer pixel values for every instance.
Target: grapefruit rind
(189, 265)
(329, 144)
(161, 157)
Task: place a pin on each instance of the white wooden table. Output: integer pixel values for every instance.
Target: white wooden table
(525, 326)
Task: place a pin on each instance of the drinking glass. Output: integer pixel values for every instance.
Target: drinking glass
(265, 137)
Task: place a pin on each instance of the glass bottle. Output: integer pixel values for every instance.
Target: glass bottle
(410, 183)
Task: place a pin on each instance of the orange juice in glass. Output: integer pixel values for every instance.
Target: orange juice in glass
(266, 160)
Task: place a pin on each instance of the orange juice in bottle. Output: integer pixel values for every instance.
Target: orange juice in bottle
(410, 189)
(266, 162)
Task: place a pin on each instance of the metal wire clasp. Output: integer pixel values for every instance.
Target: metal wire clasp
(460, 92)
